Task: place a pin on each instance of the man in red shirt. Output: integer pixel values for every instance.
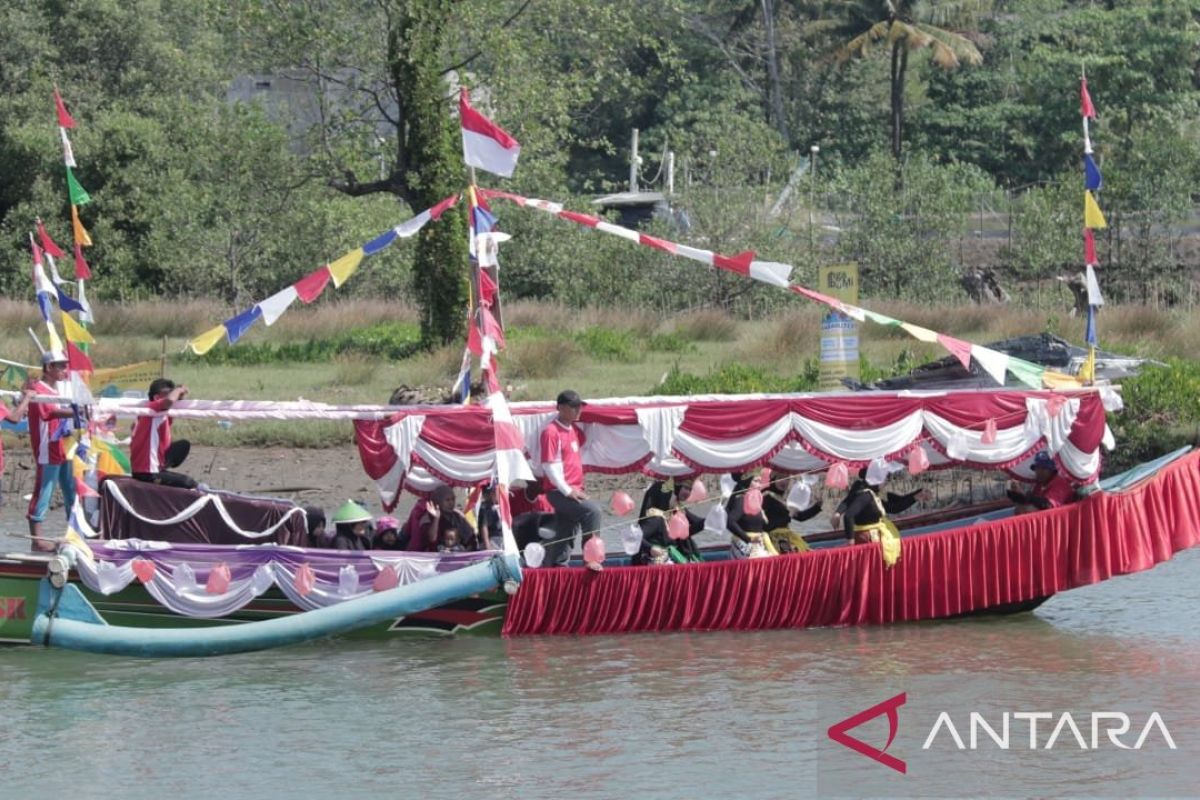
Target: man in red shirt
(152, 435)
(1050, 490)
(562, 466)
(52, 465)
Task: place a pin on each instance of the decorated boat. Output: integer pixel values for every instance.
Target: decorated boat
(170, 560)
(206, 573)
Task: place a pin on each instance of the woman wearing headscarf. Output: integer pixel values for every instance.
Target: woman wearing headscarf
(657, 505)
(750, 539)
(865, 514)
(779, 518)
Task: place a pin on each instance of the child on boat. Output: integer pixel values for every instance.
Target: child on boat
(352, 525)
(387, 535)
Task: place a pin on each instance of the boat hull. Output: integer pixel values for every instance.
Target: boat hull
(996, 566)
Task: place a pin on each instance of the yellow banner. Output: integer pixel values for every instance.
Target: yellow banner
(127, 378)
(839, 281)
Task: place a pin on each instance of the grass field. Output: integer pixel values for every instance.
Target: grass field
(599, 352)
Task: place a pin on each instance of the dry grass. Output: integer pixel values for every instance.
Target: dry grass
(326, 320)
(354, 371)
(707, 325)
(638, 321)
(437, 368)
(541, 358)
(533, 314)
(795, 334)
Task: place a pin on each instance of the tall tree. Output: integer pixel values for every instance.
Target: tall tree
(905, 26)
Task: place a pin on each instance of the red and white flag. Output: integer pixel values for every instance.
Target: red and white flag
(485, 144)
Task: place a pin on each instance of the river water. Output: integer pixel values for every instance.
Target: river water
(654, 716)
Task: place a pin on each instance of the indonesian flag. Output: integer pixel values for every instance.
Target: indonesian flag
(485, 144)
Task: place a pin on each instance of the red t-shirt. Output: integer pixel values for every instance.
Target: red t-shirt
(561, 444)
(151, 438)
(1057, 491)
(42, 427)
(519, 503)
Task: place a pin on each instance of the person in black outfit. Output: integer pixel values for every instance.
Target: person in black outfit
(656, 509)
(860, 508)
(779, 517)
(747, 529)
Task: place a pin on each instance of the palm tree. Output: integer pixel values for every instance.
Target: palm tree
(909, 26)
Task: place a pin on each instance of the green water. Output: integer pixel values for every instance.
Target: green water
(647, 716)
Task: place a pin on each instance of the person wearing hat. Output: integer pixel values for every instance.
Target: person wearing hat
(1050, 489)
(151, 451)
(45, 419)
(351, 523)
(562, 467)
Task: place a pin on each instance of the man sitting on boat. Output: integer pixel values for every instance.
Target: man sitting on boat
(151, 451)
(865, 514)
(1050, 489)
(562, 465)
(533, 516)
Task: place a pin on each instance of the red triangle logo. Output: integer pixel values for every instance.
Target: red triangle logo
(838, 732)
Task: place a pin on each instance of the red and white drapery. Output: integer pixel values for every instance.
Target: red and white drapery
(666, 436)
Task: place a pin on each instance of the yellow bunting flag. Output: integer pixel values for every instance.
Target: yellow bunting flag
(81, 235)
(921, 334)
(75, 332)
(344, 267)
(1093, 217)
(207, 340)
(56, 344)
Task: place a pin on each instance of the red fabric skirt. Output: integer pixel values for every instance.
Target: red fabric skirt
(938, 575)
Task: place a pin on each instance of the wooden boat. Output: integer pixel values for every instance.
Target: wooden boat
(975, 563)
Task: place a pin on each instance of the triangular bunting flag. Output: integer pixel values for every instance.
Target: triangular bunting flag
(880, 319)
(994, 362)
(67, 303)
(64, 117)
(309, 287)
(207, 340)
(48, 244)
(919, 333)
(1093, 287)
(1091, 173)
(81, 235)
(1089, 334)
(1092, 216)
(344, 267)
(1085, 101)
(957, 347)
(273, 307)
(487, 288)
(76, 332)
(79, 195)
(1027, 372)
(77, 360)
(1089, 247)
(68, 153)
(52, 337)
(237, 326)
(379, 243)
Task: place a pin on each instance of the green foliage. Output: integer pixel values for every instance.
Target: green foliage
(902, 240)
(609, 344)
(388, 341)
(1162, 412)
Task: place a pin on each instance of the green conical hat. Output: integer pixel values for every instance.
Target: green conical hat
(351, 512)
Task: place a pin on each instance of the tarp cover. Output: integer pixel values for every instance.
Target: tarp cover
(939, 574)
(133, 509)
